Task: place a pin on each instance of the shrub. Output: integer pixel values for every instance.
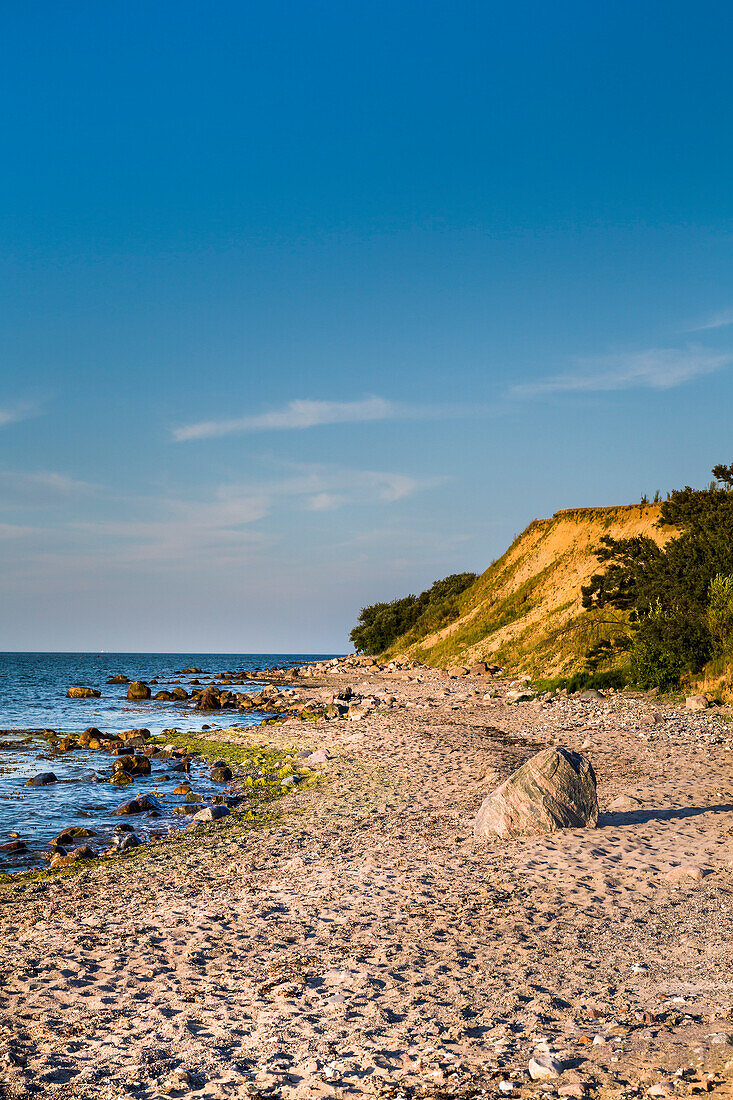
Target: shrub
(381, 624)
(720, 613)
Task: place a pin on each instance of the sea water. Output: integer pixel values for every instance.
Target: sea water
(33, 689)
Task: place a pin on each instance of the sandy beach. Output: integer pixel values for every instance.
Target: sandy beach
(363, 943)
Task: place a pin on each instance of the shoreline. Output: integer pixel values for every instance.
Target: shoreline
(360, 942)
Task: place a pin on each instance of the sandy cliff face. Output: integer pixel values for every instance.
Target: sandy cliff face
(525, 611)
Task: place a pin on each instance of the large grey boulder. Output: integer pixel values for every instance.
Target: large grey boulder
(554, 790)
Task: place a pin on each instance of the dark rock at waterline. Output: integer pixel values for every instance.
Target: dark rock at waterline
(139, 805)
(124, 827)
(179, 693)
(138, 691)
(118, 679)
(164, 696)
(14, 846)
(68, 836)
(82, 693)
(221, 774)
(124, 841)
(42, 780)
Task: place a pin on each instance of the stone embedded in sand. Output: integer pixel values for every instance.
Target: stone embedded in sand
(519, 695)
(544, 1066)
(554, 790)
(82, 693)
(697, 702)
(138, 691)
(687, 872)
(320, 756)
(41, 780)
(624, 803)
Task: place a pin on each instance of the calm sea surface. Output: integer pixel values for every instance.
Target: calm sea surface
(33, 690)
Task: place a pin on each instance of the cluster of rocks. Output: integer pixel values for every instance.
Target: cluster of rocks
(343, 665)
(480, 668)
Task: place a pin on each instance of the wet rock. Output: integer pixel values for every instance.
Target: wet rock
(123, 827)
(133, 764)
(83, 693)
(13, 846)
(139, 805)
(43, 779)
(84, 852)
(164, 696)
(209, 699)
(125, 841)
(138, 691)
(554, 790)
(68, 836)
(221, 774)
(179, 693)
(118, 679)
(182, 788)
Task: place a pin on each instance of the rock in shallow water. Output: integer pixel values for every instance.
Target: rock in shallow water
(83, 693)
(138, 691)
(554, 790)
(41, 780)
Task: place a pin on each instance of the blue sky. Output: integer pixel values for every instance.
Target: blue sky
(307, 304)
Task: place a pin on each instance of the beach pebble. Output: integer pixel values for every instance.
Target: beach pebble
(640, 968)
(543, 1066)
(212, 813)
(320, 756)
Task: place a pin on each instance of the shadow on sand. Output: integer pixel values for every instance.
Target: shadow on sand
(642, 817)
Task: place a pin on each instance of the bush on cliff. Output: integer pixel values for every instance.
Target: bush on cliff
(678, 604)
(381, 624)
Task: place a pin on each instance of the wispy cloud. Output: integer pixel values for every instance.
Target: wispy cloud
(11, 414)
(296, 415)
(39, 489)
(655, 369)
(721, 319)
(223, 527)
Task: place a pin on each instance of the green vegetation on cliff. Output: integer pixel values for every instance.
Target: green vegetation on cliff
(660, 612)
(380, 625)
